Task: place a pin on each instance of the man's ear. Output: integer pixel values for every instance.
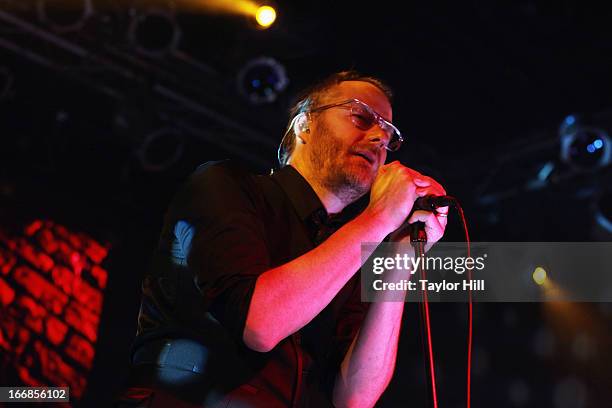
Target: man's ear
(301, 126)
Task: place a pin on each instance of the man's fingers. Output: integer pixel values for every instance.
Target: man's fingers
(422, 191)
(421, 182)
(427, 217)
(434, 225)
(442, 210)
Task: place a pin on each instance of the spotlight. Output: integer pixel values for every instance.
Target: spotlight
(539, 275)
(261, 80)
(154, 32)
(584, 147)
(70, 16)
(265, 16)
(568, 125)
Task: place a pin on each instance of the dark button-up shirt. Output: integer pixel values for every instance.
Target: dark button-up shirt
(224, 228)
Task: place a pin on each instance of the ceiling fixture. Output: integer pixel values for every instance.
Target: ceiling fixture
(584, 147)
(70, 16)
(154, 32)
(261, 80)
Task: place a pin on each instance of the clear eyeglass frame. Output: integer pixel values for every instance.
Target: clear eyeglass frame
(358, 111)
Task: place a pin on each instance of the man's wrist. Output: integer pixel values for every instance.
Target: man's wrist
(375, 224)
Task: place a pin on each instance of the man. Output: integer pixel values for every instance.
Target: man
(254, 299)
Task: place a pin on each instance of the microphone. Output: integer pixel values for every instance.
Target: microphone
(431, 202)
(427, 203)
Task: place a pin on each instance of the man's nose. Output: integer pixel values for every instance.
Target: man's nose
(378, 136)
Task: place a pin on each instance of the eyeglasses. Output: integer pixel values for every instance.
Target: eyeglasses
(364, 117)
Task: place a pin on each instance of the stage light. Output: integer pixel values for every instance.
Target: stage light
(568, 125)
(545, 171)
(539, 275)
(585, 145)
(154, 32)
(262, 80)
(231, 7)
(265, 16)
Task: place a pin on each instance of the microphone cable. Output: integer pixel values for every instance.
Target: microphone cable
(418, 238)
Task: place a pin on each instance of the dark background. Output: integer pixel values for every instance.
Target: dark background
(481, 90)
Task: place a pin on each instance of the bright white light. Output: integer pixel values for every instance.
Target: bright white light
(598, 144)
(265, 16)
(539, 275)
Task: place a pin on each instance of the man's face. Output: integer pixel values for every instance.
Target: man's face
(344, 157)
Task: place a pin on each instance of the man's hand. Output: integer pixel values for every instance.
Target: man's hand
(393, 193)
(435, 222)
(392, 197)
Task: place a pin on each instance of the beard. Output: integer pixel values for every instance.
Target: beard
(348, 181)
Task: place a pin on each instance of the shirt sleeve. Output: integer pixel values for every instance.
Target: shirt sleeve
(226, 249)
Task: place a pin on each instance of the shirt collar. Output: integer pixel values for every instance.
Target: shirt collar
(305, 200)
(300, 193)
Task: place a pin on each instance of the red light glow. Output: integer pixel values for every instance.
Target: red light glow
(51, 294)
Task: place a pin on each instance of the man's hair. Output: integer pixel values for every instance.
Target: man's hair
(312, 96)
